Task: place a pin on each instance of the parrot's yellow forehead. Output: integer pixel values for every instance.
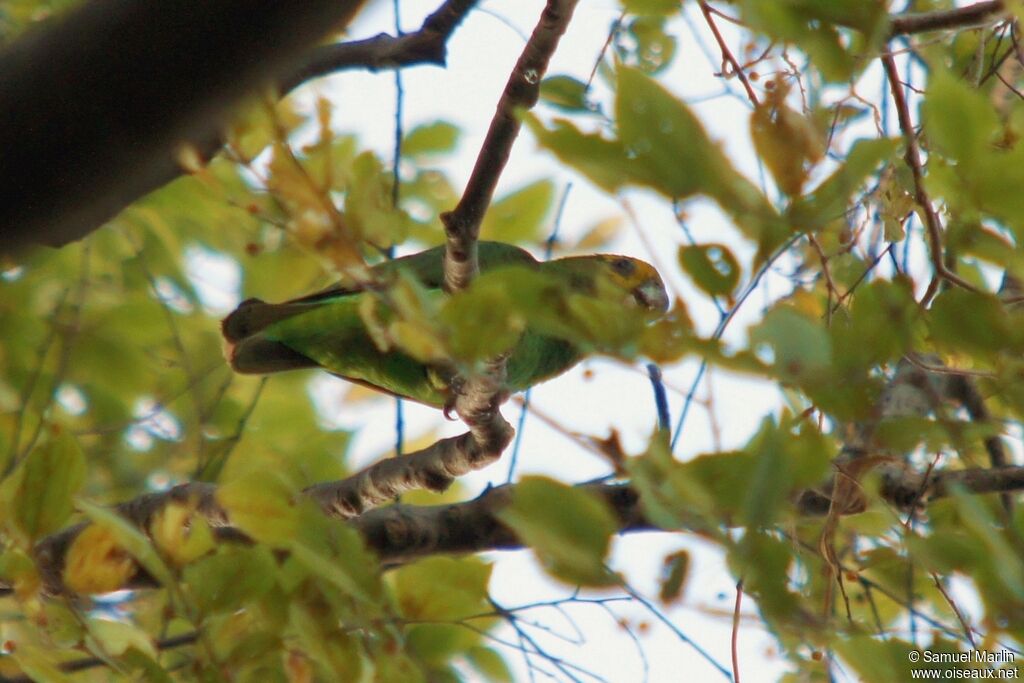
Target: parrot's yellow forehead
(626, 271)
(637, 277)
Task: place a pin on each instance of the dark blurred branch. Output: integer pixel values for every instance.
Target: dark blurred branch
(88, 130)
(99, 102)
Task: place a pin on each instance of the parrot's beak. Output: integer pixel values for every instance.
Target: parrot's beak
(651, 295)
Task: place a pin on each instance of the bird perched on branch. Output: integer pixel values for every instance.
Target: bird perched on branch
(329, 329)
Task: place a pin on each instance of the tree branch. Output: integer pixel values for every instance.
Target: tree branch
(462, 225)
(400, 533)
(428, 45)
(961, 17)
(434, 468)
(75, 113)
(913, 157)
(479, 397)
(87, 129)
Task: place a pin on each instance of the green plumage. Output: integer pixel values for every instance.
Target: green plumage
(326, 329)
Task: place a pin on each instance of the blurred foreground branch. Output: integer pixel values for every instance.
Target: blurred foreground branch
(88, 130)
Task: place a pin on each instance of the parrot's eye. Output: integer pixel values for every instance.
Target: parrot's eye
(624, 266)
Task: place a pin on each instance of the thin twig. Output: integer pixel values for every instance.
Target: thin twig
(968, 632)
(913, 158)
(727, 56)
(961, 17)
(736, 632)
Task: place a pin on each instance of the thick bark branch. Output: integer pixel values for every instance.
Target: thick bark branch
(398, 533)
(434, 468)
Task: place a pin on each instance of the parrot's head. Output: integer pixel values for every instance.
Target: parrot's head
(611, 273)
(637, 277)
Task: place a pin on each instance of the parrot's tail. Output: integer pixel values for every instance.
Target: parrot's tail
(254, 315)
(248, 351)
(258, 356)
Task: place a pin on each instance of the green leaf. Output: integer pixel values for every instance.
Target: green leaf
(672, 153)
(442, 589)
(972, 322)
(764, 561)
(814, 26)
(484, 320)
(880, 327)
(336, 552)
(568, 528)
(800, 344)
(712, 266)
(431, 138)
(520, 215)
(491, 665)
(666, 138)
(45, 486)
(650, 6)
(369, 210)
(960, 121)
(38, 663)
(115, 638)
(834, 195)
(262, 504)
(655, 47)
(878, 661)
(565, 92)
(230, 578)
(601, 160)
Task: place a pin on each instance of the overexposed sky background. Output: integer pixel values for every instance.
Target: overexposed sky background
(599, 395)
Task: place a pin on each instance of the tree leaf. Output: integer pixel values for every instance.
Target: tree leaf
(712, 266)
(568, 528)
(564, 92)
(46, 484)
(431, 138)
(520, 215)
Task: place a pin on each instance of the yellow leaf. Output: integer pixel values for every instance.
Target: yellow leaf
(97, 563)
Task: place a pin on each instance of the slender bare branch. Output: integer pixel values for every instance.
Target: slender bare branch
(962, 17)
(428, 45)
(913, 156)
(462, 225)
(727, 56)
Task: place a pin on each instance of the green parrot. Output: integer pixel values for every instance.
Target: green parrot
(326, 330)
